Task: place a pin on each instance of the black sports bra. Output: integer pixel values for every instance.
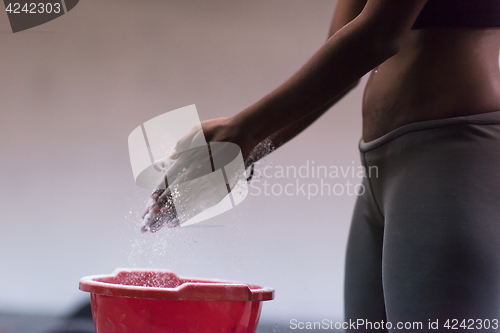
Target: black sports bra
(459, 13)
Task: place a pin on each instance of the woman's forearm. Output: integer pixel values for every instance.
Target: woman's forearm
(357, 48)
(284, 135)
(342, 60)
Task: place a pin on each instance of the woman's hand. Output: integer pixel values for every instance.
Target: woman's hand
(193, 166)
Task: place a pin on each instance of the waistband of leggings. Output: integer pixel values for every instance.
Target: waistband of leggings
(487, 118)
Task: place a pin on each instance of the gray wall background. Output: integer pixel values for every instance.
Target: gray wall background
(73, 89)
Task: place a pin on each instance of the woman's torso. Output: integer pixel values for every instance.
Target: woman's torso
(438, 73)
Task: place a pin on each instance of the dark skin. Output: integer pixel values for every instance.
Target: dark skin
(438, 73)
(344, 13)
(416, 75)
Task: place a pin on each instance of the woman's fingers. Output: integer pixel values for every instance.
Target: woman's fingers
(190, 165)
(149, 218)
(193, 184)
(165, 199)
(152, 200)
(146, 210)
(157, 193)
(189, 140)
(193, 197)
(197, 187)
(167, 216)
(162, 212)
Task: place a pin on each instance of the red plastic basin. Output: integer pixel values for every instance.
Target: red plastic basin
(158, 301)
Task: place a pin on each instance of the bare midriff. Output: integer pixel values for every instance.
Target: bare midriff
(438, 73)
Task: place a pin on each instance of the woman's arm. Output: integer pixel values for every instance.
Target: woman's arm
(372, 37)
(284, 135)
(345, 12)
(368, 40)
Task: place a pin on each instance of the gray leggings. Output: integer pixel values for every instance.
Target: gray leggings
(424, 243)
